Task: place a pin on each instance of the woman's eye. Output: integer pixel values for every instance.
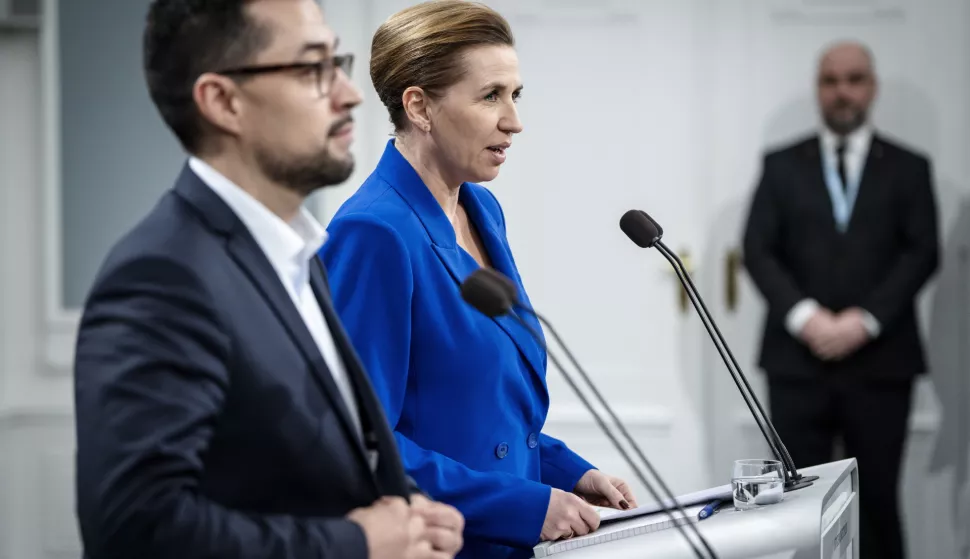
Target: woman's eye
(493, 96)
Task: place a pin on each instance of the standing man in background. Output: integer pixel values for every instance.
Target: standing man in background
(221, 411)
(841, 237)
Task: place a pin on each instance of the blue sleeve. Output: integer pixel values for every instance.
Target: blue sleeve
(151, 379)
(372, 285)
(561, 467)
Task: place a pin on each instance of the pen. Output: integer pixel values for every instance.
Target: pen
(710, 509)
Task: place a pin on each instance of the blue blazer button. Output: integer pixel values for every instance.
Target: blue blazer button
(502, 450)
(533, 440)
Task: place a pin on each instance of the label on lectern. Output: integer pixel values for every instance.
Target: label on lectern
(838, 537)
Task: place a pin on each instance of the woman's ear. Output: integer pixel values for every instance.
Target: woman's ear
(416, 107)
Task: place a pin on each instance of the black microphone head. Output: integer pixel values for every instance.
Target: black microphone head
(491, 293)
(641, 228)
(501, 281)
(660, 230)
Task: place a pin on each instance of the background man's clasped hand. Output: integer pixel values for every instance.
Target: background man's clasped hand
(834, 336)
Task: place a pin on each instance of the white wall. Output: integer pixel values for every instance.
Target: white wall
(36, 425)
(36, 428)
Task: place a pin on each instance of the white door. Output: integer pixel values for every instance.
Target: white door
(610, 124)
(767, 52)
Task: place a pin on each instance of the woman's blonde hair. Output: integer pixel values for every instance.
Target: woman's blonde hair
(421, 46)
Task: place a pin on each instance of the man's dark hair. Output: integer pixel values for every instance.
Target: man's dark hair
(186, 38)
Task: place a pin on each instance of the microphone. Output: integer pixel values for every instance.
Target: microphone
(647, 233)
(493, 294)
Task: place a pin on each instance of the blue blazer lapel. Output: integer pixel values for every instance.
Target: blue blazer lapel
(245, 251)
(399, 173)
(460, 266)
(499, 252)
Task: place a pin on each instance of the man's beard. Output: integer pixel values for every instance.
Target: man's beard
(305, 174)
(844, 125)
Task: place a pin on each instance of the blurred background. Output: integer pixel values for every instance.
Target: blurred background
(666, 106)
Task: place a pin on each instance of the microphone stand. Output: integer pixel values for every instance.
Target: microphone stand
(793, 479)
(609, 434)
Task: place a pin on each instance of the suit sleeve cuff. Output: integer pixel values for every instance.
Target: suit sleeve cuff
(561, 467)
(347, 538)
(871, 323)
(799, 315)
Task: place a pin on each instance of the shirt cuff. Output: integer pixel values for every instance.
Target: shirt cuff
(871, 323)
(799, 315)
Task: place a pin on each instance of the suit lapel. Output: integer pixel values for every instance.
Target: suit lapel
(816, 178)
(244, 250)
(250, 258)
(376, 430)
(872, 177)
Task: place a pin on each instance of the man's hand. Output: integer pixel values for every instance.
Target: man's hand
(444, 524)
(567, 516)
(851, 334)
(393, 531)
(834, 337)
(819, 329)
(602, 490)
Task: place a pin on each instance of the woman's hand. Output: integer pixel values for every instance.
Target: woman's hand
(568, 516)
(602, 490)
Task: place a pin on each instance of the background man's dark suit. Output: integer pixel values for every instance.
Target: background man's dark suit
(793, 250)
(208, 423)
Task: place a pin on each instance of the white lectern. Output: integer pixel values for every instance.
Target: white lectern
(820, 521)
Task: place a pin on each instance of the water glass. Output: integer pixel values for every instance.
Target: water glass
(756, 483)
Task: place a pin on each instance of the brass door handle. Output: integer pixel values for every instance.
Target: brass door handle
(685, 258)
(732, 266)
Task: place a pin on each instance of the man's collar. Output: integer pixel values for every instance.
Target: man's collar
(298, 240)
(857, 141)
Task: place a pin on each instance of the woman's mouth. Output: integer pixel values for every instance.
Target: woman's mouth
(498, 153)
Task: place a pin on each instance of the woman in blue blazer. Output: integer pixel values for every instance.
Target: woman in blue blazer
(466, 394)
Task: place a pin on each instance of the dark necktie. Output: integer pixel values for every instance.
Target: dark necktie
(840, 161)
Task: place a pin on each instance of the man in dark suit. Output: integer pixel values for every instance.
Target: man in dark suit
(841, 237)
(221, 411)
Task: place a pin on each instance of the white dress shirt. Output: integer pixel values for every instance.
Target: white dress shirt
(289, 247)
(856, 151)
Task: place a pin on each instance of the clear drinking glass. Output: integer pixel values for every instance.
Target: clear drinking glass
(756, 483)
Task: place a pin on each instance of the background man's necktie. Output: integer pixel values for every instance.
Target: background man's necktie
(840, 159)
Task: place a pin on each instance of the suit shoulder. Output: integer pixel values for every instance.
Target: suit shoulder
(375, 214)
(900, 151)
(790, 149)
(375, 199)
(169, 232)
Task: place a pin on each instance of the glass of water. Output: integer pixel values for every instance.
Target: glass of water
(756, 483)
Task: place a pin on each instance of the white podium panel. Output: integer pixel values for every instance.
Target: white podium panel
(820, 521)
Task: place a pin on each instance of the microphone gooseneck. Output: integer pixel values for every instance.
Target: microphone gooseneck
(638, 225)
(619, 425)
(490, 290)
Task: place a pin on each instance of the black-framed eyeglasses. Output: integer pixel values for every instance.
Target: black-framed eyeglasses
(325, 70)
